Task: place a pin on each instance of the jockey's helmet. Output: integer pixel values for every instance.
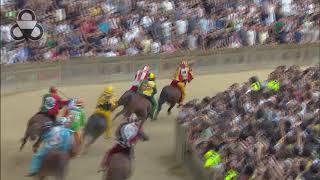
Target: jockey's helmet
(146, 68)
(151, 76)
(129, 134)
(53, 89)
(108, 90)
(79, 103)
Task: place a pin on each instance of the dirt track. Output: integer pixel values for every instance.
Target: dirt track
(154, 159)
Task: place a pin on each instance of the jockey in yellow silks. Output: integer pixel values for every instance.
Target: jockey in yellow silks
(182, 75)
(107, 102)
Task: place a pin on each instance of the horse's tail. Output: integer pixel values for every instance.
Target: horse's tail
(162, 98)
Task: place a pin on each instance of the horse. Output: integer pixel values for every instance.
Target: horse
(124, 101)
(119, 165)
(55, 163)
(136, 103)
(34, 128)
(140, 106)
(93, 129)
(169, 94)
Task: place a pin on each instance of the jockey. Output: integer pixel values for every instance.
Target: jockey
(52, 103)
(141, 74)
(182, 75)
(76, 114)
(54, 137)
(107, 102)
(127, 136)
(148, 88)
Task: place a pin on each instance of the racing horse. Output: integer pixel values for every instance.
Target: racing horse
(34, 128)
(55, 163)
(169, 94)
(118, 166)
(124, 101)
(93, 129)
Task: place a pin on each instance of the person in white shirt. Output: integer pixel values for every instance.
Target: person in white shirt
(182, 25)
(166, 29)
(155, 47)
(167, 5)
(5, 33)
(146, 21)
(251, 37)
(153, 7)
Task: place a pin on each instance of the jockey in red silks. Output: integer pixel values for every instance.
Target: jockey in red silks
(182, 76)
(52, 103)
(141, 74)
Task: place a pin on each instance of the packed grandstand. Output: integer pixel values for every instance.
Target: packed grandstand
(263, 133)
(109, 28)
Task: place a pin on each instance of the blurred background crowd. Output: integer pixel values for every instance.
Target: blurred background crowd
(263, 134)
(112, 28)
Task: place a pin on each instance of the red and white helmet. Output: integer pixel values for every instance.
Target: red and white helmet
(146, 68)
(129, 134)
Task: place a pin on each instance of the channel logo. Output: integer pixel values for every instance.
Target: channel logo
(26, 26)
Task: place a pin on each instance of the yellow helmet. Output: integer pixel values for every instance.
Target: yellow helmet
(108, 90)
(151, 76)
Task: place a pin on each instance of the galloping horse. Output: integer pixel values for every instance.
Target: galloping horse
(93, 129)
(55, 163)
(34, 128)
(170, 94)
(124, 101)
(119, 165)
(136, 103)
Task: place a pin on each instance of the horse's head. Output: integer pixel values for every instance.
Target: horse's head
(125, 98)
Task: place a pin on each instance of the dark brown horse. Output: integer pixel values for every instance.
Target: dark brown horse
(55, 164)
(34, 128)
(119, 165)
(124, 101)
(93, 129)
(134, 103)
(140, 106)
(170, 94)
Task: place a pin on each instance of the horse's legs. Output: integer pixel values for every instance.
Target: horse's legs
(23, 141)
(158, 110)
(170, 108)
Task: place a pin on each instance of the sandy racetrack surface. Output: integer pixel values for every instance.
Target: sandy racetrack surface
(154, 159)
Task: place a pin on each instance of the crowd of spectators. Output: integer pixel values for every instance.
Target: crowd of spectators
(129, 27)
(263, 134)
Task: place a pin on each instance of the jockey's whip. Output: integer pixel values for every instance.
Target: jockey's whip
(64, 94)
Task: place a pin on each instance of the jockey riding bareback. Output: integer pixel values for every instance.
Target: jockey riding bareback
(53, 137)
(76, 114)
(52, 103)
(107, 102)
(182, 75)
(148, 88)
